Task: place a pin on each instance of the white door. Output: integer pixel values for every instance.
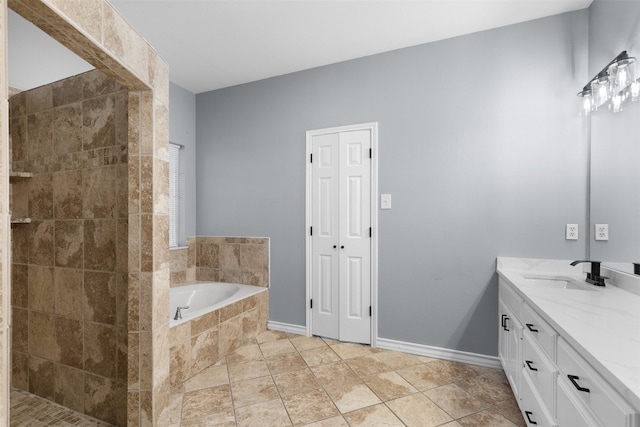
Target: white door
(341, 235)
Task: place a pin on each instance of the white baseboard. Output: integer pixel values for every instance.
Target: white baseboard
(440, 353)
(286, 327)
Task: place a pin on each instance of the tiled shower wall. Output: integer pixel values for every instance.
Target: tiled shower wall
(242, 260)
(69, 270)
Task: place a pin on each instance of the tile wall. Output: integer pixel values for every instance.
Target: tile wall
(69, 270)
(242, 260)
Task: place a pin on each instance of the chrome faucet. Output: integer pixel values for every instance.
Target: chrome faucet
(179, 312)
(594, 276)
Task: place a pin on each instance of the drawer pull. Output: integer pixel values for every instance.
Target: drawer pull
(504, 323)
(531, 328)
(573, 379)
(528, 414)
(529, 362)
(504, 316)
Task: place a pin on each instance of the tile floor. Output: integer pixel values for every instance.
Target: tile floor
(29, 410)
(282, 379)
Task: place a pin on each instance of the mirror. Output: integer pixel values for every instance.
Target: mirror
(615, 186)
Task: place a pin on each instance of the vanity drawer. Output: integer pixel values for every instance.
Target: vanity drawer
(533, 410)
(570, 411)
(541, 372)
(540, 331)
(510, 298)
(594, 392)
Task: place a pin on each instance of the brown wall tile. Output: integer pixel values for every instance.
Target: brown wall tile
(100, 349)
(41, 243)
(39, 99)
(100, 244)
(67, 127)
(100, 297)
(41, 377)
(69, 387)
(20, 370)
(69, 239)
(42, 342)
(41, 196)
(67, 194)
(20, 285)
(69, 292)
(40, 131)
(99, 192)
(20, 330)
(100, 397)
(68, 336)
(67, 91)
(98, 120)
(41, 289)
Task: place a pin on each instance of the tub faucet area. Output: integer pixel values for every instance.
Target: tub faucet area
(179, 312)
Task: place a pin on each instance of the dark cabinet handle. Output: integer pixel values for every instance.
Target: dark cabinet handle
(334, 246)
(504, 323)
(528, 414)
(342, 247)
(531, 328)
(529, 362)
(504, 316)
(573, 379)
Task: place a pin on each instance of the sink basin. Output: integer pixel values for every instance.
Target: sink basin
(559, 282)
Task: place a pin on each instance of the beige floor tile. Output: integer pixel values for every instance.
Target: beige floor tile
(213, 402)
(485, 418)
(273, 335)
(491, 388)
(310, 407)
(334, 374)
(367, 365)
(397, 360)
(208, 422)
(351, 397)
(330, 341)
(416, 410)
(348, 350)
(296, 382)
(275, 347)
(253, 391)
(305, 343)
(423, 377)
(338, 421)
(389, 385)
(319, 356)
(452, 424)
(246, 353)
(209, 377)
(454, 370)
(510, 410)
(272, 413)
(286, 362)
(455, 401)
(248, 370)
(377, 415)
(427, 359)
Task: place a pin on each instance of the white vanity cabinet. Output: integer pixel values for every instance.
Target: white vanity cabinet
(553, 384)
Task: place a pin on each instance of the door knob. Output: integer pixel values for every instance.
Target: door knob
(342, 247)
(334, 246)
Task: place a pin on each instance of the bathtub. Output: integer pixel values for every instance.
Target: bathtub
(205, 297)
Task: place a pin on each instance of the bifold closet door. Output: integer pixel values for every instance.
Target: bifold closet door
(341, 237)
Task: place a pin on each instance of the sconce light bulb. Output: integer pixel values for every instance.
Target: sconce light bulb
(616, 103)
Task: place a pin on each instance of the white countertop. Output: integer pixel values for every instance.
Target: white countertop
(602, 325)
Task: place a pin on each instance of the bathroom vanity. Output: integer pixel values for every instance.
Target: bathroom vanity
(570, 350)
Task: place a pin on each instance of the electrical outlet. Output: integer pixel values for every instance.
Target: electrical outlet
(602, 231)
(572, 232)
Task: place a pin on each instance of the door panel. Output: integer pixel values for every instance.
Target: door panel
(324, 265)
(341, 247)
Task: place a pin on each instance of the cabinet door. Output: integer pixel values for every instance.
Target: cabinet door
(514, 352)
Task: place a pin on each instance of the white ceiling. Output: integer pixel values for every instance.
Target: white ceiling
(211, 44)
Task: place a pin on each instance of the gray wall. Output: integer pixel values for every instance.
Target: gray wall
(182, 130)
(614, 26)
(480, 143)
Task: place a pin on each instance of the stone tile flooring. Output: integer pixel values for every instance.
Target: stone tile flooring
(282, 379)
(29, 410)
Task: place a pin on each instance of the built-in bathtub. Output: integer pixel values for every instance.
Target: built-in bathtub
(220, 318)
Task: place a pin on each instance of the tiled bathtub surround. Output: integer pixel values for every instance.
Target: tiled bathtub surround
(242, 260)
(201, 342)
(69, 271)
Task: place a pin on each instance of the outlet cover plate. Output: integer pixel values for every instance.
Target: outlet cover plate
(602, 231)
(571, 232)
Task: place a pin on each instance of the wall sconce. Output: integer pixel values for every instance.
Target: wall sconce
(613, 85)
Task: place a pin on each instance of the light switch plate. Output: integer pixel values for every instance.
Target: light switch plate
(385, 201)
